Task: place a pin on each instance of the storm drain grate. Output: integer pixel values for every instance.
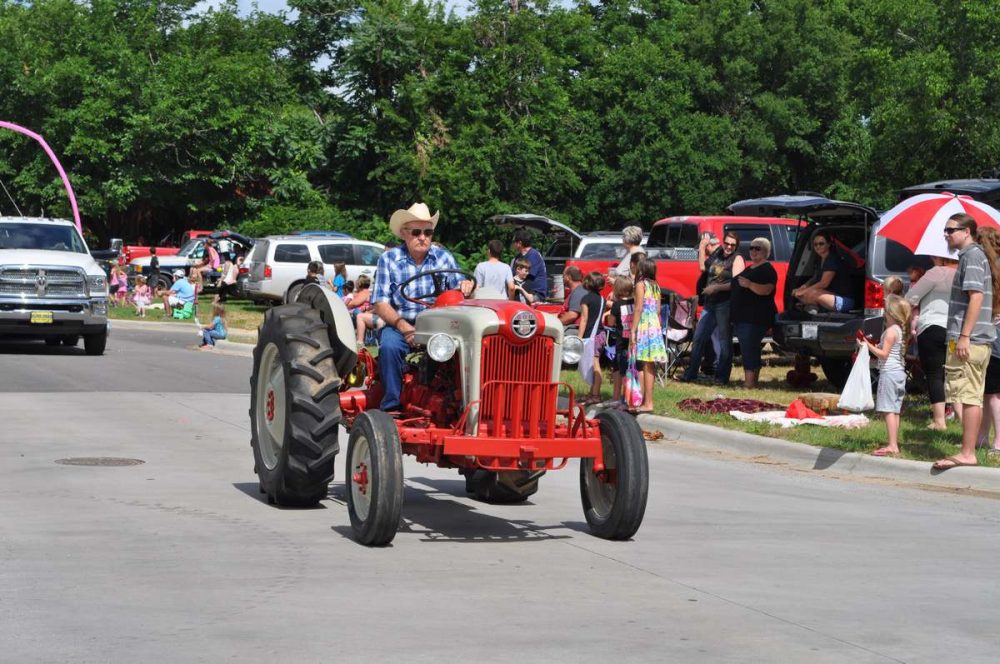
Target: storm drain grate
(99, 461)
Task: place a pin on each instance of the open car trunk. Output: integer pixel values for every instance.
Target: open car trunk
(558, 243)
(851, 226)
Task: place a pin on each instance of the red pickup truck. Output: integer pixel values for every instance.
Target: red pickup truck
(132, 251)
(673, 243)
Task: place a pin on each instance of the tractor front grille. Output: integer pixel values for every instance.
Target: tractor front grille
(521, 400)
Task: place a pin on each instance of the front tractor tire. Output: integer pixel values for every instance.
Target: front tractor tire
(374, 478)
(294, 406)
(614, 500)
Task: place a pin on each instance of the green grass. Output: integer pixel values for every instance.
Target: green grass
(916, 441)
(242, 316)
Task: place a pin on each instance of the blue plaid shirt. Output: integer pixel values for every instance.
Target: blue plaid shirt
(396, 266)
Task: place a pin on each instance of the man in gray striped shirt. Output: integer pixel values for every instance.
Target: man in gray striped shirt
(970, 334)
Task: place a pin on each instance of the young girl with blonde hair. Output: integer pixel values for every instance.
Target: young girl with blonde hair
(646, 336)
(891, 370)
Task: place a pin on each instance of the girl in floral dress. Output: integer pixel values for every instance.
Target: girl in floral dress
(646, 343)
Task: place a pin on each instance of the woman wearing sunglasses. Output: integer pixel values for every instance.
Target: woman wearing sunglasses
(830, 286)
(752, 306)
(720, 268)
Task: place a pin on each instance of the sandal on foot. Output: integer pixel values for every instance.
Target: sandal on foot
(952, 463)
(884, 452)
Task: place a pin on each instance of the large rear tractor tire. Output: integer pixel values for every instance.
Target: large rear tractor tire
(503, 488)
(294, 406)
(614, 500)
(374, 478)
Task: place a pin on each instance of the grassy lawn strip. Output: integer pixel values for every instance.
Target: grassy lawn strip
(916, 441)
(242, 317)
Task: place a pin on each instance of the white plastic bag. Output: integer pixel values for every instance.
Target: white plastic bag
(857, 394)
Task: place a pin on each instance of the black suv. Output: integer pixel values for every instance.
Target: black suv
(829, 335)
(986, 190)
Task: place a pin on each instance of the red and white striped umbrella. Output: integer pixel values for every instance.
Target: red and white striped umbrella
(918, 222)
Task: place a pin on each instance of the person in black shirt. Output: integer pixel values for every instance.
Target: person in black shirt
(752, 308)
(313, 272)
(830, 287)
(720, 268)
(153, 278)
(591, 315)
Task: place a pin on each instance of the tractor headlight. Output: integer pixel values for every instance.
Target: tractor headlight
(441, 347)
(97, 285)
(572, 350)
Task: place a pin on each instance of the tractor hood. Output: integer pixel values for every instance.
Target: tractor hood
(816, 208)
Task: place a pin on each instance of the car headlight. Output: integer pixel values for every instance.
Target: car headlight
(441, 347)
(97, 285)
(572, 350)
(133, 269)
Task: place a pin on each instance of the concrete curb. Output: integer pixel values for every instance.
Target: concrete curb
(223, 346)
(808, 457)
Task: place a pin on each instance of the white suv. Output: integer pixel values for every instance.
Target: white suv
(278, 262)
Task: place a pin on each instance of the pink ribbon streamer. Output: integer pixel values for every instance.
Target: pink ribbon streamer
(52, 155)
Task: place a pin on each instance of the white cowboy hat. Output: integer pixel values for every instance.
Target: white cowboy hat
(417, 212)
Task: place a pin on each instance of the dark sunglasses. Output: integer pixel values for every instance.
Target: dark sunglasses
(426, 232)
(949, 230)
(819, 244)
(731, 245)
(753, 248)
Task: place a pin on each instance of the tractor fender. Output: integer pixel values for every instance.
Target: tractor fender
(340, 327)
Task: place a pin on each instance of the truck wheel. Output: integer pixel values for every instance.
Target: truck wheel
(374, 478)
(70, 340)
(293, 291)
(614, 501)
(836, 370)
(51, 341)
(503, 488)
(94, 344)
(294, 406)
(162, 282)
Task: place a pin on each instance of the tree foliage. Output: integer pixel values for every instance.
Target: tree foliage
(600, 114)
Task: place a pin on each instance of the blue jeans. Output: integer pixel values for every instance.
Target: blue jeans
(713, 316)
(392, 352)
(750, 336)
(208, 337)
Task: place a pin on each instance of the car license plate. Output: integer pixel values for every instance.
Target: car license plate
(810, 330)
(42, 317)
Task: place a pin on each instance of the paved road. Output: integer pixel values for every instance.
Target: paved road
(179, 560)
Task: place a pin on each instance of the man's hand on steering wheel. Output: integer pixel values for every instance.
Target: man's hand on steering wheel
(466, 286)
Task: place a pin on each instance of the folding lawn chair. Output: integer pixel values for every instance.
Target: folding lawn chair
(681, 318)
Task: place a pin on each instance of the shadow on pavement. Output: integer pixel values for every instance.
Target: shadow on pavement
(252, 489)
(828, 457)
(430, 513)
(31, 347)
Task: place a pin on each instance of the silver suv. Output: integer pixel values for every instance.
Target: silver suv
(50, 285)
(278, 263)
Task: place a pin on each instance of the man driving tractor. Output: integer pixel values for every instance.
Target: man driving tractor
(415, 227)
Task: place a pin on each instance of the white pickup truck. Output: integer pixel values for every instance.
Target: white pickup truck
(50, 285)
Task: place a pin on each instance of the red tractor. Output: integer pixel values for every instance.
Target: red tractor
(481, 393)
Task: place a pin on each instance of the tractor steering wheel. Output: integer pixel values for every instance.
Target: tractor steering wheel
(439, 284)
